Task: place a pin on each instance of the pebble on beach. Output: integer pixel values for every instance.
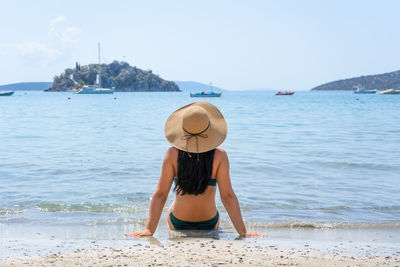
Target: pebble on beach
(200, 253)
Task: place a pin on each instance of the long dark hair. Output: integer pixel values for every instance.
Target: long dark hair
(194, 172)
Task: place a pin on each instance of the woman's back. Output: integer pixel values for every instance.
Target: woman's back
(199, 207)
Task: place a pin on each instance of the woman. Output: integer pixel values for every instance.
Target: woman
(196, 165)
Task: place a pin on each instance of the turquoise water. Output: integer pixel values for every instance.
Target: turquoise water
(314, 159)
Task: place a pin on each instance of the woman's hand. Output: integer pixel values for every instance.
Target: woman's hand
(141, 233)
(254, 234)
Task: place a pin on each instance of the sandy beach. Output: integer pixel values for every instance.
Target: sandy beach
(201, 252)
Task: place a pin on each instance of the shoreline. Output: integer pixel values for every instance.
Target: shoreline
(21, 240)
(282, 247)
(201, 252)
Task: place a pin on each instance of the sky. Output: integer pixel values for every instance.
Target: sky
(236, 45)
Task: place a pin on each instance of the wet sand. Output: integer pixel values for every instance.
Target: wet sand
(201, 252)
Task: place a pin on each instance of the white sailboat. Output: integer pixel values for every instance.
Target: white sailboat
(96, 89)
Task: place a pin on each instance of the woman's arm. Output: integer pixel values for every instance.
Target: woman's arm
(160, 195)
(229, 198)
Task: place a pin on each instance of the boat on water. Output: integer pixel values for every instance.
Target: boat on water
(96, 89)
(390, 92)
(206, 94)
(362, 90)
(93, 89)
(6, 93)
(285, 93)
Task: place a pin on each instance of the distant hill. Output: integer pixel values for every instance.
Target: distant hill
(187, 86)
(26, 86)
(118, 74)
(380, 81)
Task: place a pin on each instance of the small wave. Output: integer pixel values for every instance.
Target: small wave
(356, 165)
(325, 225)
(91, 207)
(117, 173)
(335, 208)
(118, 221)
(28, 136)
(297, 204)
(386, 208)
(9, 212)
(14, 220)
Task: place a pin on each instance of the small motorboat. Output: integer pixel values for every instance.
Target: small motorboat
(390, 92)
(205, 94)
(6, 93)
(362, 90)
(285, 93)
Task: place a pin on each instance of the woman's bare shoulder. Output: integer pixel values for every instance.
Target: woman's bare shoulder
(171, 154)
(220, 154)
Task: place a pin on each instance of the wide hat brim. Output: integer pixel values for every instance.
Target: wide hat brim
(210, 139)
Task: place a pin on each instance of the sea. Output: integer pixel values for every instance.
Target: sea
(79, 168)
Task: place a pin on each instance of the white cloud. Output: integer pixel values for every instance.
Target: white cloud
(5, 49)
(71, 35)
(62, 34)
(31, 47)
(37, 53)
(56, 21)
(63, 39)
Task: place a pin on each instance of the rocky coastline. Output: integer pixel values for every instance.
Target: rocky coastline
(390, 80)
(118, 75)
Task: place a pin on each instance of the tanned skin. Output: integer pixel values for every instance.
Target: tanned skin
(194, 207)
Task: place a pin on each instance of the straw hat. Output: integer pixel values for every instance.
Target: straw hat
(196, 128)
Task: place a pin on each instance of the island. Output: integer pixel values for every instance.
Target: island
(390, 80)
(118, 75)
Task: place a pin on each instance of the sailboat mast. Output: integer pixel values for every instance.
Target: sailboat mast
(99, 66)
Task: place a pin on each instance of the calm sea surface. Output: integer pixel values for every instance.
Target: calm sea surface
(314, 159)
